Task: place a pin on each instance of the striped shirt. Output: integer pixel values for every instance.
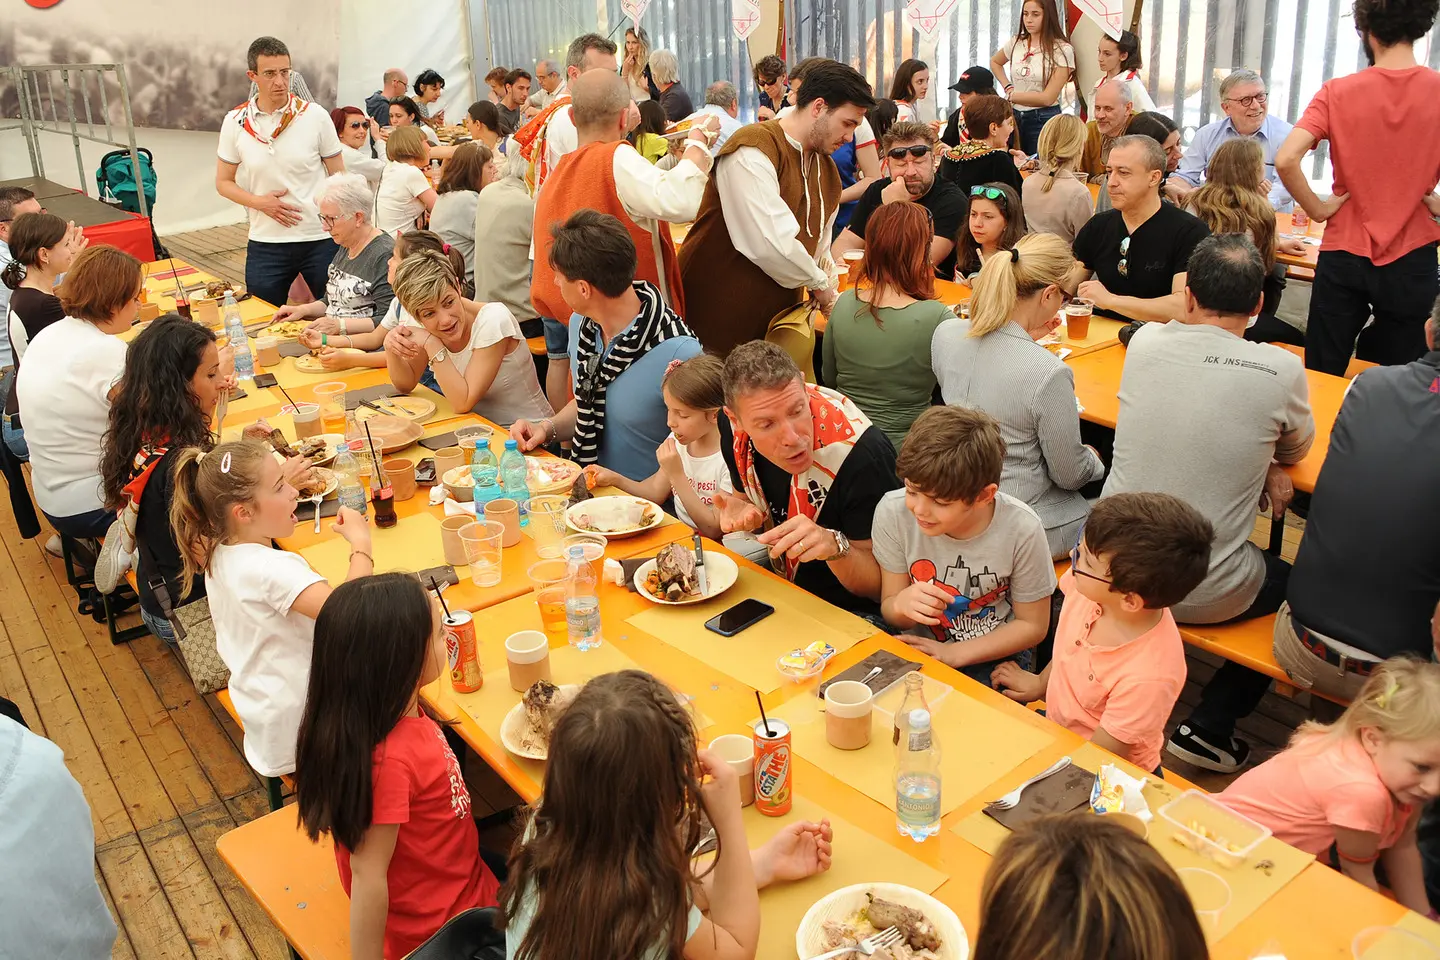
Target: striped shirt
(1031, 394)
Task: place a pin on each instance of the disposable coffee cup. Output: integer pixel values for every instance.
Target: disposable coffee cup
(849, 705)
(527, 654)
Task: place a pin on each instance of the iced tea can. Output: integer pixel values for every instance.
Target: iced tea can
(772, 768)
(465, 675)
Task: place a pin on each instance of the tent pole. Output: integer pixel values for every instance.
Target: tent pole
(1135, 17)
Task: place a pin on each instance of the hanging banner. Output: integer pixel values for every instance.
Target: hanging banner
(1109, 14)
(744, 17)
(634, 9)
(927, 15)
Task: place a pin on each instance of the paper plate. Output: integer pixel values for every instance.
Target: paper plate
(626, 515)
(407, 408)
(332, 483)
(393, 433)
(547, 476)
(512, 728)
(312, 364)
(720, 575)
(844, 903)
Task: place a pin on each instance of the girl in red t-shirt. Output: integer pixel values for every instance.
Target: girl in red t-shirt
(374, 771)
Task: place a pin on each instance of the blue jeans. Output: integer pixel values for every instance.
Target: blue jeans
(1029, 123)
(557, 339)
(159, 626)
(83, 526)
(427, 379)
(15, 440)
(270, 268)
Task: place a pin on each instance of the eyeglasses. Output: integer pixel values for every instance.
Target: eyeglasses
(1122, 266)
(916, 150)
(1075, 567)
(272, 74)
(1248, 102)
(329, 222)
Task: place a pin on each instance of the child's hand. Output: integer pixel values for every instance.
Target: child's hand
(350, 525)
(668, 456)
(799, 850)
(598, 476)
(1018, 684)
(720, 792)
(737, 513)
(922, 602)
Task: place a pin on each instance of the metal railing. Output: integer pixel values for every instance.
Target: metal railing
(84, 101)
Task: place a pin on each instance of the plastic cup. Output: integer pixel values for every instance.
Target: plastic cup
(849, 705)
(1077, 319)
(206, 311)
(465, 438)
(547, 524)
(148, 311)
(738, 752)
(591, 543)
(267, 351)
(447, 459)
(1209, 895)
(548, 579)
(401, 476)
(331, 397)
(1391, 943)
(484, 543)
(506, 512)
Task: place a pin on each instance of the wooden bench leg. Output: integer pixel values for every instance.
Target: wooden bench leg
(274, 791)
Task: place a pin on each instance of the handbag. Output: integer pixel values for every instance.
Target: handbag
(194, 632)
(793, 330)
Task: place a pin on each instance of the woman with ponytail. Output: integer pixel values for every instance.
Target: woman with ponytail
(1056, 199)
(991, 362)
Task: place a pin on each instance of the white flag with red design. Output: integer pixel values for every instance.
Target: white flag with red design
(1109, 14)
(926, 15)
(634, 9)
(744, 17)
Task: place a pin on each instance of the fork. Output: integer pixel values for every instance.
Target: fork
(867, 947)
(1013, 797)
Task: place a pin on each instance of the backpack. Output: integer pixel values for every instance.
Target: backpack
(116, 175)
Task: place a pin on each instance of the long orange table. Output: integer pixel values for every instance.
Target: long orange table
(1097, 387)
(1284, 227)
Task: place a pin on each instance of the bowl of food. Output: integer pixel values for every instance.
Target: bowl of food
(671, 577)
(614, 516)
(459, 483)
(930, 930)
(526, 729)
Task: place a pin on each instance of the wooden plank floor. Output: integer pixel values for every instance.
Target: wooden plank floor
(219, 250)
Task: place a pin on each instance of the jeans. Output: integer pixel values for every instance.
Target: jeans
(1235, 691)
(557, 339)
(15, 441)
(270, 268)
(1029, 123)
(427, 379)
(83, 526)
(159, 626)
(1349, 289)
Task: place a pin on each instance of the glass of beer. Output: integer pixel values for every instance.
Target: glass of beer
(1077, 318)
(331, 397)
(548, 578)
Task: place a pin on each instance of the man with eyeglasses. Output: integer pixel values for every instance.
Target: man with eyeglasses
(910, 149)
(395, 84)
(1244, 100)
(287, 147)
(1131, 260)
(549, 80)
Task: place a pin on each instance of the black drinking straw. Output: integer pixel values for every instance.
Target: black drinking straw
(441, 597)
(374, 460)
(294, 407)
(765, 719)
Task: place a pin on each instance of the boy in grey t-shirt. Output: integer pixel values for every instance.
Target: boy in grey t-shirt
(965, 570)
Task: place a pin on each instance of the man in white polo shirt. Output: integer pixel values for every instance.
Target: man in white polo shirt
(275, 152)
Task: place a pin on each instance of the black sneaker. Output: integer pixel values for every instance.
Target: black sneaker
(1188, 744)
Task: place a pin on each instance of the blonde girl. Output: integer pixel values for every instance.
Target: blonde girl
(1079, 887)
(406, 194)
(1357, 786)
(692, 467)
(635, 69)
(230, 503)
(1056, 199)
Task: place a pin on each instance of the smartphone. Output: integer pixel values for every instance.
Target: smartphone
(742, 616)
(425, 471)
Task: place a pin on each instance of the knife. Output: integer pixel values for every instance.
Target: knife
(700, 579)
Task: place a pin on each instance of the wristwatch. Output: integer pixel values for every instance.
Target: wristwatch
(842, 546)
(440, 356)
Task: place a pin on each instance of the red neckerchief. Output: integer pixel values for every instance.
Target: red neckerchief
(141, 469)
(293, 108)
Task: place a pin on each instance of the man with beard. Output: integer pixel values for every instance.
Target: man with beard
(758, 241)
(910, 148)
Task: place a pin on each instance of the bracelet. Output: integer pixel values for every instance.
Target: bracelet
(324, 339)
(549, 429)
(341, 324)
(362, 553)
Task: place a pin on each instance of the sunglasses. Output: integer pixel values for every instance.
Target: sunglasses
(1122, 266)
(916, 150)
(989, 193)
(357, 125)
(588, 383)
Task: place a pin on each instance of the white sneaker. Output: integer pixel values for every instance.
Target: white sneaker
(113, 561)
(53, 547)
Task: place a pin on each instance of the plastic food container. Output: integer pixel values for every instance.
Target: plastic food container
(1212, 829)
(799, 666)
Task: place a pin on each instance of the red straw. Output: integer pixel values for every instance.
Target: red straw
(765, 719)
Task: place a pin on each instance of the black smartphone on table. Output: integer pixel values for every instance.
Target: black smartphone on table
(742, 616)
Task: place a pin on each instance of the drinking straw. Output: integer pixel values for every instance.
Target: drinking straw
(294, 407)
(441, 597)
(179, 289)
(765, 719)
(374, 460)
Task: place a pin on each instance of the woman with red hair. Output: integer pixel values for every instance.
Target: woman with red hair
(876, 348)
(353, 128)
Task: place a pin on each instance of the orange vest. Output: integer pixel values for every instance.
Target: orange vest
(582, 180)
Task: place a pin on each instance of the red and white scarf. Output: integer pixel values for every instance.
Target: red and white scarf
(837, 425)
(533, 139)
(251, 110)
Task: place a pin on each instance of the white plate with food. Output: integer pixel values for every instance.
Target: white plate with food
(320, 449)
(670, 578)
(525, 731)
(614, 516)
(407, 408)
(311, 362)
(322, 483)
(850, 914)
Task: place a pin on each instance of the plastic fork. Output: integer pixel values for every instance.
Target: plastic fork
(885, 938)
(1013, 797)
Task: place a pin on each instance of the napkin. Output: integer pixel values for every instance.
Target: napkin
(1060, 793)
(443, 575)
(293, 348)
(453, 507)
(629, 567)
(305, 509)
(440, 441)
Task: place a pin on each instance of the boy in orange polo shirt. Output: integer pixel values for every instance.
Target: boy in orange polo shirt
(1119, 662)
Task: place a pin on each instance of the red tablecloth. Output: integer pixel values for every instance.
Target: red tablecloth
(130, 232)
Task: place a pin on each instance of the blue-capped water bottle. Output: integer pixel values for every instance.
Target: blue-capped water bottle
(515, 476)
(239, 341)
(485, 473)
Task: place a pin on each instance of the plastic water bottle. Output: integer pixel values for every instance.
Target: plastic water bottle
(917, 779)
(347, 470)
(485, 472)
(514, 476)
(235, 332)
(582, 602)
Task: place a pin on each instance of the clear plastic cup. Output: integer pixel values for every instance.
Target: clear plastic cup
(547, 524)
(466, 436)
(331, 397)
(548, 578)
(1391, 943)
(484, 544)
(1209, 895)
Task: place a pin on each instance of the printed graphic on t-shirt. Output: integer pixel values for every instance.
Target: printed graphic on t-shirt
(780, 510)
(704, 489)
(459, 794)
(979, 603)
(348, 294)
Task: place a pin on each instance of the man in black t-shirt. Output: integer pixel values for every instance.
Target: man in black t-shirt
(1130, 261)
(910, 148)
(808, 469)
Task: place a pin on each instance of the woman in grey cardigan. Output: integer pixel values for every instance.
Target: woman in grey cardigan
(992, 363)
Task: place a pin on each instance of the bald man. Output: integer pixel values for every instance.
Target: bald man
(607, 174)
(1114, 106)
(394, 84)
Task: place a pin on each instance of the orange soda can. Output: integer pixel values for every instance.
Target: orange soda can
(465, 675)
(772, 768)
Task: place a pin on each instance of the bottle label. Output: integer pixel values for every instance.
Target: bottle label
(919, 740)
(918, 810)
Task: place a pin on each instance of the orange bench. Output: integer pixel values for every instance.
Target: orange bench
(537, 346)
(294, 881)
(1356, 367)
(272, 784)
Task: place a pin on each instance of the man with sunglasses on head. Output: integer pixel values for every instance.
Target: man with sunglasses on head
(909, 149)
(1130, 260)
(1244, 100)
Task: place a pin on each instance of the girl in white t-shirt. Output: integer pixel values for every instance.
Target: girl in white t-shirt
(230, 503)
(692, 466)
(1041, 62)
(406, 193)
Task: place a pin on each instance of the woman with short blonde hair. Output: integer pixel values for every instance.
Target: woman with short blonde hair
(992, 362)
(1056, 199)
